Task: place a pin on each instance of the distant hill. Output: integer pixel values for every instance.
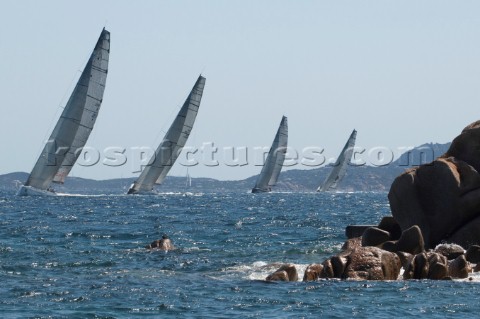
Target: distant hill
(358, 178)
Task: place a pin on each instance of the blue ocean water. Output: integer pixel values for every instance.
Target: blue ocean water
(84, 257)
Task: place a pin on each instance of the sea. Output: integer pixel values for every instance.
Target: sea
(81, 256)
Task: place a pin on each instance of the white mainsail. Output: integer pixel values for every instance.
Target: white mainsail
(169, 149)
(341, 165)
(75, 124)
(273, 164)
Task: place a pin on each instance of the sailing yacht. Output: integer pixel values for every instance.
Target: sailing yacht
(169, 149)
(74, 126)
(273, 164)
(341, 165)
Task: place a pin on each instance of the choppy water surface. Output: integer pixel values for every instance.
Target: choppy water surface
(84, 256)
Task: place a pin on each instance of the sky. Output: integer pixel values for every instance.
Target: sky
(402, 73)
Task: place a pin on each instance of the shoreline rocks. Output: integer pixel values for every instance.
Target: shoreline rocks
(435, 216)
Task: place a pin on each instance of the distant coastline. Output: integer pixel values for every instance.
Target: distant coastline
(358, 178)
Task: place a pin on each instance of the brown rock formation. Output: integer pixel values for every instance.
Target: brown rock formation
(312, 272)
(286, 272)
(459, 267)
(362, 263)
(411, 241)
(374, 236)
(451, 251)
(443, 197)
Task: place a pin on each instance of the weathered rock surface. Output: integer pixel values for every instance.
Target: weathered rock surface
(451, 251)
(432, 265)
(286, 272)
(443, 197)
(411, 241)
(361, 263)
(313, 272)
(459, 267)
(389, 224)
(374, 236)
(352, 243)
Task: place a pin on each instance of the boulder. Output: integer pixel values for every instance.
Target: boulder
(411, 241)
(352, 243)
(459, 267)
(286, 272)
(405, 258)
(451, 251)
(338, 265)
(327, 271)
(374, 236)
(425, 265)
(372, 263)
(278, 276)
(437, 266)
(443, 197)
(466, 146)
(389, 224)
(312, 272)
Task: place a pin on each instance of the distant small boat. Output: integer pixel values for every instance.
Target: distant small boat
(188, 182)
(74, 126)
(273, 165)
(340, 166)
(169, 149)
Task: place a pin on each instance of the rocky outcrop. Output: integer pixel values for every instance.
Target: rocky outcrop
(361, 263)
(433, 205)
(443, 198)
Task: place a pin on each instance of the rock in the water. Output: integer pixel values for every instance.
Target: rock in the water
(374, 236)
(437, 267)
(372, 263)
(451, 251)
(459, 267)
(327, 271)
(389, 224)
(278, 276)
(338, 265)
(286, 272)
(405, 258)
(425, 265)
(411, 241)
(443, 197)
(312, 272)
(473, 254)
(352, 243)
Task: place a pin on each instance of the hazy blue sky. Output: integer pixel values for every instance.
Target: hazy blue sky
(400, 72)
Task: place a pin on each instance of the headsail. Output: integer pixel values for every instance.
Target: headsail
(341, 165)
(276, 156)
(75, 122)
(172, 144)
